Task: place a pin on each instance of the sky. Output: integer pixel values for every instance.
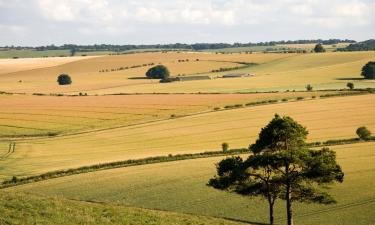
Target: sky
(45, 22)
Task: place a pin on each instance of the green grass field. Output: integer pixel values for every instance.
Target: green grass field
(180, 186)
(333, 118)
(29, 209)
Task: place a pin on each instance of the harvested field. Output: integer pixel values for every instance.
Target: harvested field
(333, 118)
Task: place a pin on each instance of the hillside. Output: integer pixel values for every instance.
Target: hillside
(180, 186)
(17, 208)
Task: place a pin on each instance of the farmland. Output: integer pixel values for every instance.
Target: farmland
(180, 186)
(111, 112)
(324, 118)
(274, 72)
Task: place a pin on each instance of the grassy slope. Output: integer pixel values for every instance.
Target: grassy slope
(332, 118)
(180, 186)
(29, 209)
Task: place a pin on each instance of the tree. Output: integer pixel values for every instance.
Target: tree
(254, 177)
(350, 85)
(225, 146)
(319, 48)
(158, 72)
(363, 133)
(368, 70)
(302, 170)
(64, 79)
(309, 87)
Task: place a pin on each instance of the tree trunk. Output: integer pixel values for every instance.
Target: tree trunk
(271, 213)
(289, 210)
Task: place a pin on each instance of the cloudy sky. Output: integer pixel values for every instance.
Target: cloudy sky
(41, 22)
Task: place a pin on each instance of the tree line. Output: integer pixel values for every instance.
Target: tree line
(197, 46)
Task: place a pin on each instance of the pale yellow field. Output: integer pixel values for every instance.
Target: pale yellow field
(16, 65)
(332, 118)
(87, 78)
(275, 72)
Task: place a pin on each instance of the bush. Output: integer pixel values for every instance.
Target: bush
(309, 87)
(368, 71)
(319, 48)
(350, 85)
(64, 79)
(363, 133)
(300, 98)
(158, 72)
(225, 146)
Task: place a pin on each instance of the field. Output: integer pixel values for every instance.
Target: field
(51, 211)
(32, 116)
(111, 112)
(332, 118)
(180, 187)
(275, 72)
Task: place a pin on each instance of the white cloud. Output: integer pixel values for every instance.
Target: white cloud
(188, 20)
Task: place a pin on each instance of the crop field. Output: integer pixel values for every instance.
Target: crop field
(332, 118)
(30, 115)
(180, 186)
(310, 47)
(125, 73)
(107, 74)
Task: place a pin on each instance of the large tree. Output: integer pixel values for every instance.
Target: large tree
(303, 170)
(368, 70)
(158, 72)
(281, 166)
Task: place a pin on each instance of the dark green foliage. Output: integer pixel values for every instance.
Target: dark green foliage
(363, 133)
(309, 87)
(300, 98)
(350, 85)
(225, 147)
(64, 79)
(281, 167)
(319, 48)
(368, 71)
(368, 45)
(158, 72)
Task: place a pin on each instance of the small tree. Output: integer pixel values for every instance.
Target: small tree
(368, 70)
(309, 87)
(225, 146)
(319, 48)
(158, 72)
(64, 79)
(363, 133)
(350, 85)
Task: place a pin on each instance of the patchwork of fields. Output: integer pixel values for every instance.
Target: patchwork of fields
(332, 118)
(42, 132)
(274, 72)
(180, 186)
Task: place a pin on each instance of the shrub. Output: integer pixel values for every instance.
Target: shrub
(319, 48)
(225, 146)
(300, 98)
(64, 79)
(284, 100)
(158, 72)
(313, 96)
(350, 85)
(368, 71)
(217, 108)
(309, 87)
(363, 133)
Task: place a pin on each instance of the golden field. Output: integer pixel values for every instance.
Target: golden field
(332, 118)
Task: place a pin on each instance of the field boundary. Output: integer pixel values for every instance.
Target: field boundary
(14, 181)
(213, 110)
